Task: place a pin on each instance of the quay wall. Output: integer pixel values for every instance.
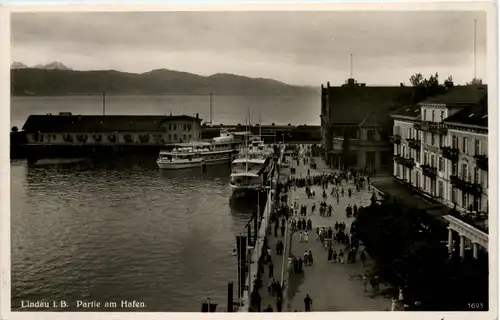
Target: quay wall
(20, 149)
(272, 197)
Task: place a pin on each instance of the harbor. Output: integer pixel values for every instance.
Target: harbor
(190, 166)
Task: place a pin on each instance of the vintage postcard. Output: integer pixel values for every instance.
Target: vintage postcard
(249, 158)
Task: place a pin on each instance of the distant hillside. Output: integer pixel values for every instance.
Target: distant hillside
(46, 81)
(49, 66)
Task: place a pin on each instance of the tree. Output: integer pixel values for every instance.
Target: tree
(475, 81)
(406, 244)
(424, 88)
(448, 83)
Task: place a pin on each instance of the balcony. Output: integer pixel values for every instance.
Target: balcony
(396, 139)
(409, 163)
(481, 161)
(450, 153)
(429, 171)
(413, 143)
(474, 189)
(434, 127)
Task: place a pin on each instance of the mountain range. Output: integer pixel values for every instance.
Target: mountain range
(57, 79)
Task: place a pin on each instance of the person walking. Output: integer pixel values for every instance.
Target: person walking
(279, 304)
(308, 303)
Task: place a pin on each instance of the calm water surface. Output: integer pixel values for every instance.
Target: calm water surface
(226, 109)
(123, 232)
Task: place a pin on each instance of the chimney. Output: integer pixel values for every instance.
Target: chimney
(197, 116)
(328, 84)
(321, 86)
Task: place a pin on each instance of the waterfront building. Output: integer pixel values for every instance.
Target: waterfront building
(441, 151)
(355, 125)
(68, 129)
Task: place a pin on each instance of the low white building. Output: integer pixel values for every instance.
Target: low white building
(68, 129)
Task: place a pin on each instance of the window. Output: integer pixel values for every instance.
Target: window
(432, 115)
(477, 146)
(454, 169)
(169, 137)
(455, 142)
(464, 171)
(175, 136)
(189, 136)
(464, 145)
(441, 189)
(169, 126)
(454, 196)
(404, 152)
(175, 126)
(477, 175)
(433, 160)
(370, 135)
(441, 164)
(353, 133)
(441, 141)
(189, 127)
(433, 139)
(465, 200)
(425, 115)
(442, 116)
(425, 157)
(338, 132)
(185, 127)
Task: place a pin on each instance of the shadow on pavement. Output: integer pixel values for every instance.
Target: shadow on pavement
(295, 280)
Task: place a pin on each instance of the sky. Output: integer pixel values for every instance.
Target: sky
(302, 48)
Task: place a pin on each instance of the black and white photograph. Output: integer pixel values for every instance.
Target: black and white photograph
(244, 160)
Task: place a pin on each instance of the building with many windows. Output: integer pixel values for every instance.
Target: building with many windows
(355, 124)
(68, 129)
(441, 150)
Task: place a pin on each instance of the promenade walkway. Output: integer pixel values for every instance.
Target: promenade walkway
(332, 286)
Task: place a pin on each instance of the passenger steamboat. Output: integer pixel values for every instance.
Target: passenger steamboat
(193, 154)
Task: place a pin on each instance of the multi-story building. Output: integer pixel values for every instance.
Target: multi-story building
(68, 129)
(355, 124)
(440, 149)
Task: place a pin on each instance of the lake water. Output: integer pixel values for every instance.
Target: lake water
(127, 232)
(124, 232)
(226, 109)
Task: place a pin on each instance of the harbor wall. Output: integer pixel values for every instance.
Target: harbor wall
(272, 196)
(20, 149)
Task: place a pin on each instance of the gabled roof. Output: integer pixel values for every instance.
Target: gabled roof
(460, 95)
(83, 123)
(411, 112)
(474, 116)
(355, 104)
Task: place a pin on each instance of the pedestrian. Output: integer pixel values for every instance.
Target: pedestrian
(334, 256)
(341, 256)
(362, 257)
(279, 304)
(271, 270)
(365, 281)
(282, 231)
(308, 303)
(306, 236)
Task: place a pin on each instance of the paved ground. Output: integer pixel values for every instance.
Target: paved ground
(329, 284)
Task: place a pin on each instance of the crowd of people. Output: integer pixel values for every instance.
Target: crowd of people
(298, 218)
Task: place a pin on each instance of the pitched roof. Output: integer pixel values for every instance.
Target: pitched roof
(407, 112)
(355, 104)
(83, 123)
(460, 95)
(475, 115)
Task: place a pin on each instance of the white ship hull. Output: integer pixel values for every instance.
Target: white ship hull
(175, 165)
